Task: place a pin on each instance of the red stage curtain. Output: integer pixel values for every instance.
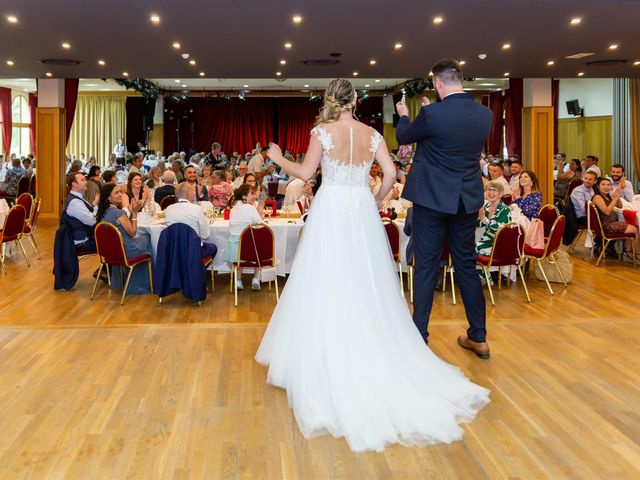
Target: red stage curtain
(33, 104)
(295, 120)
(70, 100)
(555, 99)
(494, 142)
(513, 117)
(5, 117)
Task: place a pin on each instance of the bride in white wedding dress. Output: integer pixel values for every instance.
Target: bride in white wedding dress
(341, 340)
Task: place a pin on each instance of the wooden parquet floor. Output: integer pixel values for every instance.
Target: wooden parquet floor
(93, 390)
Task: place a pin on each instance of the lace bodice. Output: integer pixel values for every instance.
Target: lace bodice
(353, 161)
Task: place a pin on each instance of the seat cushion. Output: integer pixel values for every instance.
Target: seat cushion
(139, 259)
(483, 260)
(630, 236)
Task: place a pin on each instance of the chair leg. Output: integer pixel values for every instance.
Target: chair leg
(488, 279)
(410, 279)
(32, 240)
(95, 284)
(633, 252)
(453, 287)
(150, 276)
(499, 278)
(24, 252)
(575, 240)
(524, 284)
(126, 285)
(605, 245)
(444, 279)
(213, 284)
(108, 274)
(235, 286)
(231, 279)
(555, 262)
(544, 275)
(401, 279)
(277, 290)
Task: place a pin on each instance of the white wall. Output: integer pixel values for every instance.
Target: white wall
(594, 94)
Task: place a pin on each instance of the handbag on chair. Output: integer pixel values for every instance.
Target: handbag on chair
(265, 274)
(535, 234)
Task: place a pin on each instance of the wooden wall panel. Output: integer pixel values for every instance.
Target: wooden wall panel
(50, 145)
(582, 136)
(156, 138)
(537, 146)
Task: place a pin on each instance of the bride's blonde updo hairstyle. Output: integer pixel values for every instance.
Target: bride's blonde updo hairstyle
(339, 96)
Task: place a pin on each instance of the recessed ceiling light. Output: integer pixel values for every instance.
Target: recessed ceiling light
(105, 89)
(397, 46)
(506, 74)
(66, 45)
(12, 19)
(245, 86)
(288, 45)
(90, 84)
(10, 63)
(49, 74)
(101, 63)
(613, 46)
(278, 74)
(580, 74)
(202, 74)
(506, 46)
(176, 45)
(377, 80)
(438, 20)
(355, 74)
(283, 62)
(155, 18)
(183, 86)
(487, 85)
(462, 62)
(372, 62)
(367, 85)
(636, 63)
(550, 62)
(177, 81)
(575, 21)
(125, 74)
(306, 85)
(184, 55)
(192, 62)
(297, 19)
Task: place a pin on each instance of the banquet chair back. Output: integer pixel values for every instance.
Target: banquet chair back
(595, 224)
(572, 186)
(272, 189)
(111, 252)
(507, 199)
(168, 200)
(548, 253)
(23, 186)
(12, 232)
(256, 249)
(393, 235)
(548, 215)
(26, 200)
(32, 185)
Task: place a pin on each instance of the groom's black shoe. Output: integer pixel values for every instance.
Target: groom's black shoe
(481, 349)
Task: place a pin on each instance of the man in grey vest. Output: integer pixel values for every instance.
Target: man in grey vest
(79, 214)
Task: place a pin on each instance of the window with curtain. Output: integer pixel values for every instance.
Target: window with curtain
(21, 116)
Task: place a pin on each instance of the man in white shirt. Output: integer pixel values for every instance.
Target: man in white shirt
(581, 195)
(136, 165)
(618, 179)
(514, 180)
(591, 164)
(257, 161)
(243, 169)
(496, 173)
(120, 149)
(187, 212)
(298, 191)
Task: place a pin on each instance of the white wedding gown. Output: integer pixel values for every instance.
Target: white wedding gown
(341, 340)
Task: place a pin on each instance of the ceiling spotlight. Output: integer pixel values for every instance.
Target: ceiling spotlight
(462, 62)
(177, 81)
(245, 86)
(66, 45)
(12, 19)
(613, 46)
(125, 74)
(377, 80)
(184, 55)
(636, 63)
(355, 74)
(506, 46)
(397, 46)
(202, 74)
(283, 62)
(176, 45)
(183, 86)
(297, 19)
(438, 20)
(288, 45)
(372, 62)
(581, 74)
(49, 74)
(101, 63)
(10, 63)
(192, 62)
(575, 21)
(550, 62)
(306, 85)
(482, 56)
(278, 74)
(506, 74)
(367, 85)
(155, 18)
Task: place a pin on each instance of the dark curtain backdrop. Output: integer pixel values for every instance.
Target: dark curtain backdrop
(5, 117)
(555, 99)
(33, 104)
(513, 117)
(135, 118)
(237, 125)
(494, 142)
(70, 101)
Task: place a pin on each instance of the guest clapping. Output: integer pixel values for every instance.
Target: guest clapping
(529, 196)
(493, 215)
(220, 191)
(606, 201)
(135, 188)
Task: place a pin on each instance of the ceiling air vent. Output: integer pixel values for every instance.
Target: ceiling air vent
(606, 63)
(60, 62)
(320, 62)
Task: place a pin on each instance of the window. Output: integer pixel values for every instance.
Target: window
(21, 117)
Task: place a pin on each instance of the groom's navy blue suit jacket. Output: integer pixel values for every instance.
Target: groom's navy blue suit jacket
(446, 167)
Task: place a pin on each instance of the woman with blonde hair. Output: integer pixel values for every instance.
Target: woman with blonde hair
(355, 365)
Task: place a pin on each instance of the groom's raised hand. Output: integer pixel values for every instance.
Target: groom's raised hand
(425, 101)
(402, 109)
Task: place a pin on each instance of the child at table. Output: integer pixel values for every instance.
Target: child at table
(243, 213)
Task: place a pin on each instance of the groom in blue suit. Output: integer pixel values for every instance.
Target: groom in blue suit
(445, 186)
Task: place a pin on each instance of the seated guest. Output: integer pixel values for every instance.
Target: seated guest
(514, 180)
(581, 195)
(252, 180)
(79, 214)
(605, 201)
(168, 179)
(618, 179)
(591, 165)
(493, 215)
(213, 158)
(108, 176)
(258, 160)
(10, 185)
(400, 174)
(242, 171)
(529, 196)
(565, 178)
(298, 191)
(207, 179)
(194, 161)
(228, 175)
(243, 213)
(220, 191)
(94, 183)
(176, 167)
(136, 164)
(187, 212)
(394, 199)
(26, 164)
(112, 162)
(191, 177)
(496, 174)
(136, 189)
(112, 199)
(375, 182)
(155, 179)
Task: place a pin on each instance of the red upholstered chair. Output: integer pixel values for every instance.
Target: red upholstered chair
(32, 223)
(548, 215)
(508, 250)
(598, 231)
(111, 251)
(264, 245)
(26, 200)
(448, 268)
(272, 189)
(551, 246)
(12, 232)
(168, 200)
(631, 217)
(581, 229)
(572, 185)
(32, 185)
(507, 199)
(393, 235)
